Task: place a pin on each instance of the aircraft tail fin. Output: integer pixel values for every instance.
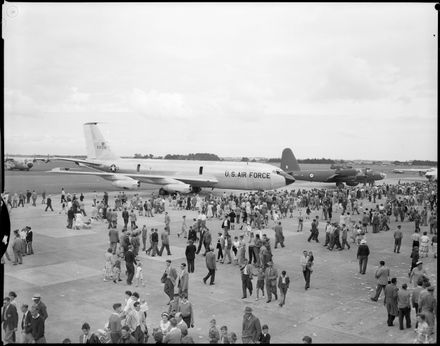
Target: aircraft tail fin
(97, 147)
(288, 161)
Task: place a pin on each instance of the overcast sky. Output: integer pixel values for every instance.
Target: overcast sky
(341, 81)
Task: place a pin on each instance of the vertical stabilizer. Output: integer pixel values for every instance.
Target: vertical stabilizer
(97, 147)
(288, 161)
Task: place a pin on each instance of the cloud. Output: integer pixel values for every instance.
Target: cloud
(18, 103)
(349, 78)
(156, 104)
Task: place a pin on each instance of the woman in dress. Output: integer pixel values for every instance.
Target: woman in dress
(108, 265)
(424, 245)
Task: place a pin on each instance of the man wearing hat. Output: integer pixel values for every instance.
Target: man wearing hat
(40, 306)
(251, 330)
(271, 275)
(417, 273)
(362, 255)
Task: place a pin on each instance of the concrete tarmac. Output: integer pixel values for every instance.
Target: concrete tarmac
(67, 270)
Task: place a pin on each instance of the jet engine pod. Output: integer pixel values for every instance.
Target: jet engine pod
(127, 184)
(352, 183)
(181, 188)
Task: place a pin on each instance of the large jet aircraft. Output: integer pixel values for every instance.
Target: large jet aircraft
(21, 163)
(340, 175)
(173, 175)
(429, 173)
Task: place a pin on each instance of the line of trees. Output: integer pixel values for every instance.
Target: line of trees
(322, 160)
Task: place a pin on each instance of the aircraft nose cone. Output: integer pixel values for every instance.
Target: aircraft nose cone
(30, 164)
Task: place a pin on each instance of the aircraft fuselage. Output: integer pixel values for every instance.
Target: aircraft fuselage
(229, 175)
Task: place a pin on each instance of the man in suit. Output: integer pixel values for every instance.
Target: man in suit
(165, 242)
(114, 323)
(26, 325)
(29, 238)
(170, 280)
(130, 261)
(279, 236)
(207, 239)
(183, 279)
(390, 301)
(167, 223)
(70, 217)
(9, 320)
(246, 277)
(382, 274)
(271, 275)
(113, 236)
(251, 327)
(37, 326)
(125, 217)
(211, 265)
(190, 253)
(40, 306)
(17, 248)
(283, 285)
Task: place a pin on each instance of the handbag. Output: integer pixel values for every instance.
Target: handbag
(163, 278)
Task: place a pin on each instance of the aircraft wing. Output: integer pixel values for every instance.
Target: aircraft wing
(77, 161)
(418, 170)
(146, 178)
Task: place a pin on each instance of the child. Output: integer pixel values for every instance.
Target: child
(264, 336)
(139, 276)
(260, 281)
(214, 335)
(116, 270)
(300, 222)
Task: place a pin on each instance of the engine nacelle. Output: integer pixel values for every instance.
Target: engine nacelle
(351, 183)
(181, 188)
(127, 184)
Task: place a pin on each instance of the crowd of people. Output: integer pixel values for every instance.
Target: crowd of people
(244, 242)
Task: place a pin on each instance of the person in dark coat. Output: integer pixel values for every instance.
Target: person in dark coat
(29, 239)
(211, 265)
(26, 325)
(190, 254)
(70, 217)
(130, 261)
(264, 336)
(362, 255)
(37, 327)
(49, 203)
(390, 301)
(9, 320)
